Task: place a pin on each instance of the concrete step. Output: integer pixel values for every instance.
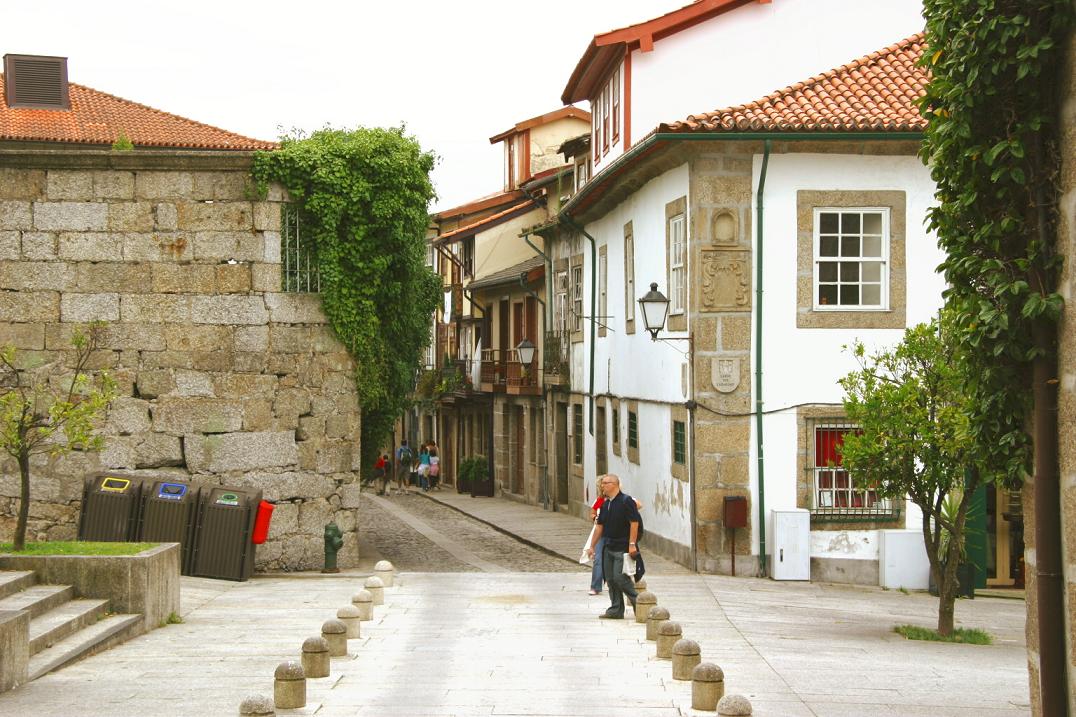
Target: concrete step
(59, 622)
(13, 581)
(38, 599)
(93, 638)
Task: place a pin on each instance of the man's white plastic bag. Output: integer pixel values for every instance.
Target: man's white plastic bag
(585, 559)
(629, 564)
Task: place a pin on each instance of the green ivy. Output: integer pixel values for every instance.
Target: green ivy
(992, 148)
(363, 195)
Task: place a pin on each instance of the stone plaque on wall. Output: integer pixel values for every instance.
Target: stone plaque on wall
(725, 373)
(724, 281)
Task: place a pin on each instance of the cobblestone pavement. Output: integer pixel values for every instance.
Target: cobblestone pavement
(411, 550)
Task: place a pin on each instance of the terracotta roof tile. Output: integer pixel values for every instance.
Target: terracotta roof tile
(876, 93)
(486, 222)
(98, 118)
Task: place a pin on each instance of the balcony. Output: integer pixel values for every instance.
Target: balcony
(522, 379)
(494, 371)
(556, 363)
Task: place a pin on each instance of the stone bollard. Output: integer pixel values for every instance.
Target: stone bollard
(640, 585)
(685, 655)
(654, 618)
(335, 633)
(364, 603)
(376, 588)
(707, 686)
(668, 633)
(289, 686)
(386, 572)
(734, 705)
(316, 657)
(259, 705)
(352, 619)
(643, 603)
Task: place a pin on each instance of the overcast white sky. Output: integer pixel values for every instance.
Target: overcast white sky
(456, 73)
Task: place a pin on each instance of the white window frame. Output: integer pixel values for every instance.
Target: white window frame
(629, 277)
(841, 259)
(603, 285)
(577, 298)
(677, 264)
(560, 305)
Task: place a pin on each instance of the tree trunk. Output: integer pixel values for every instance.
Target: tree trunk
(24, 500)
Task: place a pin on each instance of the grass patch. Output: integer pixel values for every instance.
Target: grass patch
(172, 619)
(970, 636)
(78, 547)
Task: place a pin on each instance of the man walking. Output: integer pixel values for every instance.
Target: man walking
(618, 523)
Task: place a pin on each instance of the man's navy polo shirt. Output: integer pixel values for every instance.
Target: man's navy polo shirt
(616, 517)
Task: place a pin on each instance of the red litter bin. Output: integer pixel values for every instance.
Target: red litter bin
(261, 522)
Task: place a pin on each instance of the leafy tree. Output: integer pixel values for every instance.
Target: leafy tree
(40, 415)
(915, 414)
(363, 195)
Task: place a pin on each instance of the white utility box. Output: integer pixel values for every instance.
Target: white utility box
(790, 551)
(902, 560)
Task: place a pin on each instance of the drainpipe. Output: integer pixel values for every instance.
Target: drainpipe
(593, 303)
(759, 206)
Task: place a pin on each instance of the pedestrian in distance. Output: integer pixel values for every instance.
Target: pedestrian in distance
(380, 469)
(618, 523)
(596, 572)
(435, 468)
(405, 460)
(424, 468)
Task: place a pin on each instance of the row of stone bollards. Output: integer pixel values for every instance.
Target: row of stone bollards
(707, 679)
(289, 679)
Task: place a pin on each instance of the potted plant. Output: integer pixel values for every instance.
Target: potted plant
(472, 472)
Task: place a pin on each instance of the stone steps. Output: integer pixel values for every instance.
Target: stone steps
(56, 624)
(93, 638)
(13, 581)
(38, 599)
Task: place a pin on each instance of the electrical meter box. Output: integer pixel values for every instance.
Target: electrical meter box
(110, 507)
(223, 533)
(168, 511)
(790, 554)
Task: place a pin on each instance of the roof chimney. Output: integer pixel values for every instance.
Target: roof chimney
(36, 81)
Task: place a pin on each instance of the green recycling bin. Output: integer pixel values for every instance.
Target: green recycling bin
(110, 507)
(222, 533)
(169, 508)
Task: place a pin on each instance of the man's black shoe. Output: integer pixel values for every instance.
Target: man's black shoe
(608, 616)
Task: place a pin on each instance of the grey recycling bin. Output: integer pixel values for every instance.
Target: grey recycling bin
(110, 506)
(222, 534)
(168, 511)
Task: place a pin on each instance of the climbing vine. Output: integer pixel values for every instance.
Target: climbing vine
(363, 196)
(992, 148)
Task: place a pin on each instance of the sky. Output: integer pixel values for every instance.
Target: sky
(455, 73)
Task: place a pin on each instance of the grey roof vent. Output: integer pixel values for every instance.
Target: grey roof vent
(36, 81)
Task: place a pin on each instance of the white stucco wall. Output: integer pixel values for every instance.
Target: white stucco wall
(803, 365)
(546, 139)
(501, 246)
(633, 366)
(745, 54)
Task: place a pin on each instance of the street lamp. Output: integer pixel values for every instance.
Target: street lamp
(655, 307)
(526, 350)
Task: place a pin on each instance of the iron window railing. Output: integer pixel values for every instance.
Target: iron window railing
(299, 272)
(837, 494)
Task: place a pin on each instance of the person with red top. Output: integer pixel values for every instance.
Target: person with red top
(596, 572)
(381, 472)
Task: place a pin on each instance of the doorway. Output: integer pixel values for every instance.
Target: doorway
(600, 457)
(1004, 538)
(517, 462)
(560, 437)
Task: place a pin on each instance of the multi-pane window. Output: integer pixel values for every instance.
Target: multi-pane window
(577, 434)
(596, 122)
(616, 425)
(835, 489)
(615, 83)
(677, 269)
(603, 283)
(560, 302)
(577, 297)
(629, 277)
(633, 429)
(679, 443)
(851, 256)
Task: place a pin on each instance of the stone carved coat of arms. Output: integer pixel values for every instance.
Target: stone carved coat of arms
(724, 281)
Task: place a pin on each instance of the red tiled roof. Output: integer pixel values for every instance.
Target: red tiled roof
(489, 201)
(876, 93)
(486, 222)
(98, 118)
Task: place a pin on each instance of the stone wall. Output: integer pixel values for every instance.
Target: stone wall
(222, 378)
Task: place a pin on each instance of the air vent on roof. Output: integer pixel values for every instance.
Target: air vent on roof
(36, 81)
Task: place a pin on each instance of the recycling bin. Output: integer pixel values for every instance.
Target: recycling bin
(223, 532)
(110, 507)
(168, 511)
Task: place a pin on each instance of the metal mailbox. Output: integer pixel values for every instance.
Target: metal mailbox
(168, 512)
(222, 535)
(735, 511)
(110, 507)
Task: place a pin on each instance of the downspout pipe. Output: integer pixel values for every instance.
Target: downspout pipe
(759, 452)
(593, 304)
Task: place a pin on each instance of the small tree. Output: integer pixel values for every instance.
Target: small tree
(916, 413)
(42, 411)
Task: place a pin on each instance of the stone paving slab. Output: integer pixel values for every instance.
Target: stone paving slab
(530, 644)
(561, 533)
